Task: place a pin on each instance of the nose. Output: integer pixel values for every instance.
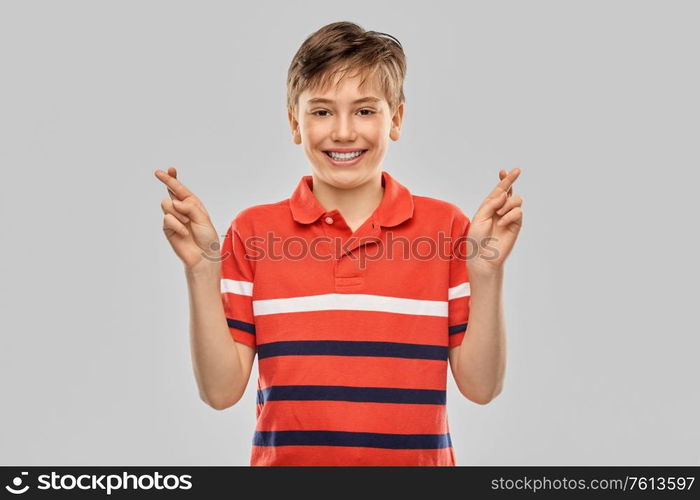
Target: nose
(343, 129)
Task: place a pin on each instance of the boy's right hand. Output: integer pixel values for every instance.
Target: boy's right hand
(186, 224)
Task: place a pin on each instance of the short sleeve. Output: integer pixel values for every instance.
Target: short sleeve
(458, 294)
(237, 287)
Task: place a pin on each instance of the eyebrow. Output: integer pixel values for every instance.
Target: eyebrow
(317, 100)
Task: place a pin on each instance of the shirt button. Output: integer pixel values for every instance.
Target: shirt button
(329, 220)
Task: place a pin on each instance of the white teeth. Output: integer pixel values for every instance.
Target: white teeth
(345, 156)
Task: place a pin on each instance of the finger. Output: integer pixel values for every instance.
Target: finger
(506, 183)
(512, 201)
(172, 172)
(193, 210)
(492, 203)
(167, 206)
(174, 186)
(515, 216)
(171, 225)
(502, 175)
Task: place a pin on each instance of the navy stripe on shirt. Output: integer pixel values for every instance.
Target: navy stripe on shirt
(458, 328)
(241, 325)
(347, 393)
(351, 348)
(343, 438)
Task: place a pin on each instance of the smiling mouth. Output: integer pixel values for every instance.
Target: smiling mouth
(346, 157)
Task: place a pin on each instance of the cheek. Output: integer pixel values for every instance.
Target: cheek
(314, 132)
(373, 132)
(379, 129)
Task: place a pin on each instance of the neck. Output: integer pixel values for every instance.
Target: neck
(354, 204)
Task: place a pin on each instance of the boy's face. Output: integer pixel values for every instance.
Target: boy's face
(342, 123)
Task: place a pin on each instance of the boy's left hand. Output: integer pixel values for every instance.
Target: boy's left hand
(495, 226)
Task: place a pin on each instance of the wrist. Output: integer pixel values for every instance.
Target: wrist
(484, 271)
(204, 270)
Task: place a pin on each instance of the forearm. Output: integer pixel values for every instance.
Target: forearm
(482, 356)
(215, 358)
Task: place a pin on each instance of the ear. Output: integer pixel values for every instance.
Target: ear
(294, 126)
(396, 121)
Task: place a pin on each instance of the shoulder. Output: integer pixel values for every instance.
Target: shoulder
(256, 216)
(442, 210)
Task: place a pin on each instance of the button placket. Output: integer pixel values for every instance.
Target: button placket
(330, 223)
(368, 236)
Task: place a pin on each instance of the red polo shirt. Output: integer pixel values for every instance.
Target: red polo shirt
(351, 330)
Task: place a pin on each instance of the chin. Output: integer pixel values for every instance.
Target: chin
(343, 178)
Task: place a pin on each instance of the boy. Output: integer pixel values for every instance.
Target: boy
(353, 332)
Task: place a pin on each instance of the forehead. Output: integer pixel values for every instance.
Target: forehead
(348, 86)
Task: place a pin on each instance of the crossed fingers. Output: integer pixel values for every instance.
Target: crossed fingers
(176, 189)
(506, 183)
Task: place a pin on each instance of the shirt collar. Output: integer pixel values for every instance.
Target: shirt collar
(396, 205)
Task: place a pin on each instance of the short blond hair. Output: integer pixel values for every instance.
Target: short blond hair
(342, 48)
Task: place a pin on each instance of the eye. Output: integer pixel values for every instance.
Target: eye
(370, 112)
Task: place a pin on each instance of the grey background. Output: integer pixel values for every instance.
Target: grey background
(595, 101)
